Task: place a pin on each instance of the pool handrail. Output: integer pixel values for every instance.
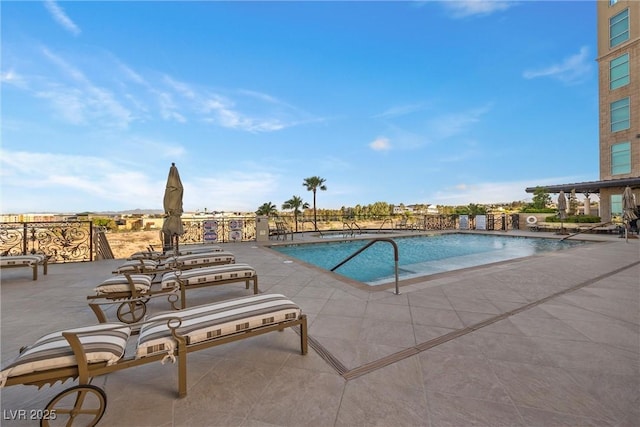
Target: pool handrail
(352, 232)
(362, 249)
(383, 223)
(588, 229)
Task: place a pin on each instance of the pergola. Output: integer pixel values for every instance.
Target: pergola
(589, 187)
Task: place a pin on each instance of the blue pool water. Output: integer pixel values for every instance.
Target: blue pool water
(419, 256)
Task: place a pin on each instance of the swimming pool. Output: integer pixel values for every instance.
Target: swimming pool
(420, 255)
(348, 234)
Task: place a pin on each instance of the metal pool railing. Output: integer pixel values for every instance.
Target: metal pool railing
(362, 249)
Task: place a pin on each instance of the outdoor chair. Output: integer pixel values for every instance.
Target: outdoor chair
(180, 262)
(153, 254)
(31, 261)
(91, 351)
(282, 230)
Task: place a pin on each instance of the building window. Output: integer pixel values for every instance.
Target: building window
(621, 158)
(620, 115)
(612, 2)
(619, 71)
(619, 28)
(616, 205)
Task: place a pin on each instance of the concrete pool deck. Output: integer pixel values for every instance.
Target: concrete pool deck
(549, 340)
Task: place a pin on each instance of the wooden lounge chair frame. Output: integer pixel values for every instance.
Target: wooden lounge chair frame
(35, 261)
(155, 255)
(138, 265)
(183, 286)
(134, 307)
(85, 371)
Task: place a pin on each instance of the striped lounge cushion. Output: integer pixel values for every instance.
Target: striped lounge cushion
(16, 260)
(105, 342)
(133, 266)
(201, 259)
(119, 283)
(146, 255)
(213, 274)
(209, 321)
(209, 248)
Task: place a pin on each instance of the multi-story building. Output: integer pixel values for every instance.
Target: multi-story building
(619, 99)
(618, 36)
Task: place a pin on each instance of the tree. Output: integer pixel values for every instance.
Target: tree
(268, 209)
(477, 209)
(107, 223)
(380, 209)
(313, 183)
(295, 203)
(541, 198)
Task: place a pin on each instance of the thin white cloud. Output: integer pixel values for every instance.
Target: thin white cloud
(169, 150)
(10, 77)
(180, 87)
(222, 112)
(231, 190)
(464, 154)
(261, 96)
(467, 8)
(464, 193)
(480, 193)
(80, 99)
(380, 144)
(135, 96)
(397, 111)
(448, 125)
(168, 108)
(95, 179)
(61, 17)
(573, 69)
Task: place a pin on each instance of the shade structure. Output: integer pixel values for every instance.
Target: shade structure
(628, 209)
(172, 227)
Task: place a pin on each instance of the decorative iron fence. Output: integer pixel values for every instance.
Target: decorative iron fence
(59, 241)
(73, 241)
(218, 230)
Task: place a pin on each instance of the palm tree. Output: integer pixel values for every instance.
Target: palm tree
(268, 209)
(295, 203)
(313, 183)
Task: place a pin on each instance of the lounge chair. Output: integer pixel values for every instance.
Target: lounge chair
(134, 290)
(282, 230)
(181, 262)
(91, 351)
(158, 255)
(209, 276)
(31, 261)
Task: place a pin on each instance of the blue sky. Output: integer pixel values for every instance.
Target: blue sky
(449, 103)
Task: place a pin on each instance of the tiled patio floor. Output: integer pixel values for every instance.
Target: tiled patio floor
(551, 340)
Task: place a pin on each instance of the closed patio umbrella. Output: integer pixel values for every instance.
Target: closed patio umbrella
(562, 209)
(172, 227)
(628, 209)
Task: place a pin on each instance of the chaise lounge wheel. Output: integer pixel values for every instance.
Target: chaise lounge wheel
(81, 405)
(131, 311)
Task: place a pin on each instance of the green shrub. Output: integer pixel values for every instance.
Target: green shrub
(537, 210)
(575, 218)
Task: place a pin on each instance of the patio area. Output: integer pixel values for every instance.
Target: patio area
(549, 340)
